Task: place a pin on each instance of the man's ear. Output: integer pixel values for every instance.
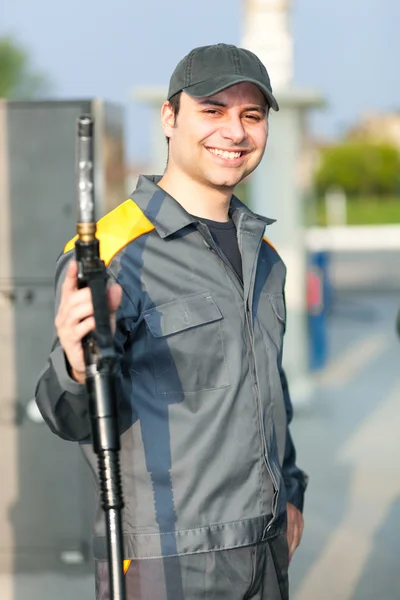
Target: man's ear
(167, 119)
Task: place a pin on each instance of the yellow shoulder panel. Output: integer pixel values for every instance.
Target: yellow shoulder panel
(117, 228)
(127, 564)
(269, 244)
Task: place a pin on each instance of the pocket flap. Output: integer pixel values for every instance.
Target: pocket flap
(179, 315)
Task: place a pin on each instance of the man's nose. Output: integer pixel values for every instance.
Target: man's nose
(234, 130)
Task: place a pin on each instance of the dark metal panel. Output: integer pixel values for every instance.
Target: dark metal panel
(50, 509)
(42, 183)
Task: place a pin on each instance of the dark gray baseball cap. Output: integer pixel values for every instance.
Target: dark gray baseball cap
(210, 69)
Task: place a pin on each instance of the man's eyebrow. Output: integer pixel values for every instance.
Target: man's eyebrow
(258, 108)
(212, 102)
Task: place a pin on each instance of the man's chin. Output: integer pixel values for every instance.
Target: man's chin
(225, 182)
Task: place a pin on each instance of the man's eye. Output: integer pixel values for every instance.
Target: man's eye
(253, 117)
(211, 111)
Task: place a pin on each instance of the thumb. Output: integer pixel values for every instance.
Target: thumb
(70, 281)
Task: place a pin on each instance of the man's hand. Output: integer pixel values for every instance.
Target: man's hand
(75, 318)
(295, 525)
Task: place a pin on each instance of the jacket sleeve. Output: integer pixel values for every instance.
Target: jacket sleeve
(294, 478)
(63, 402)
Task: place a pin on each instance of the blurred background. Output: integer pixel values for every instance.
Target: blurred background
(331, 178)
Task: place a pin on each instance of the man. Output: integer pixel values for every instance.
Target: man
(213, 497)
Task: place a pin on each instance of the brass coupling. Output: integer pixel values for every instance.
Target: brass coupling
(86, 231)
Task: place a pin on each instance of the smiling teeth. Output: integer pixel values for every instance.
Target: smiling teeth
(225, 154)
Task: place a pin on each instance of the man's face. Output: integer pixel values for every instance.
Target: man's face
(218, 140)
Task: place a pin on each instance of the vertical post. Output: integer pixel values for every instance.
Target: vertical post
(336, 207)
(281, 183)
(9, 431)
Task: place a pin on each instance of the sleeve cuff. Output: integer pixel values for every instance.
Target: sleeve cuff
(67, 383)
(295, 491)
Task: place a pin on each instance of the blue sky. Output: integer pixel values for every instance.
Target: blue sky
(346, 50)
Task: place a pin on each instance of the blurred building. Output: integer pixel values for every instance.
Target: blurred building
(133, 170)
(378, 126)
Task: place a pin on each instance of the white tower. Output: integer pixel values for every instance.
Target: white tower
(267, 33)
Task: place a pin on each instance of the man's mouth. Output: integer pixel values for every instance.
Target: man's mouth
(227, 154)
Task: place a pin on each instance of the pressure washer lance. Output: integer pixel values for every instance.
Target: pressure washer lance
(100, 360)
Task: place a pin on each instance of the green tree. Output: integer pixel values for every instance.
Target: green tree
(360, 168)
(18, 78)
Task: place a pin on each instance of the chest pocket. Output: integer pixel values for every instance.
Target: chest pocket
(187, 346)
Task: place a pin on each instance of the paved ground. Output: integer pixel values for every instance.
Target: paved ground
(348, 441)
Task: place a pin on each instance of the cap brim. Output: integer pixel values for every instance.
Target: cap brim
(213, 86)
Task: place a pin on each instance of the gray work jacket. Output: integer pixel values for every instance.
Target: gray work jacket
(207, 459)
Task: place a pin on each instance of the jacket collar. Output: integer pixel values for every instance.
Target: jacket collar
(166, 214)
(238, 205)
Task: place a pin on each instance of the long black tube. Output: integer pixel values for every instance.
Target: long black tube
(100, 361)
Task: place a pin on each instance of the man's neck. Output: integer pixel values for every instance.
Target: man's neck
(197, 199)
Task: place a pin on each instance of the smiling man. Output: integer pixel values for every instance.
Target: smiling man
(213, 497)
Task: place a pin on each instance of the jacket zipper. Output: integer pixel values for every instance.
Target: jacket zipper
(258, 398)
(215, 248)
